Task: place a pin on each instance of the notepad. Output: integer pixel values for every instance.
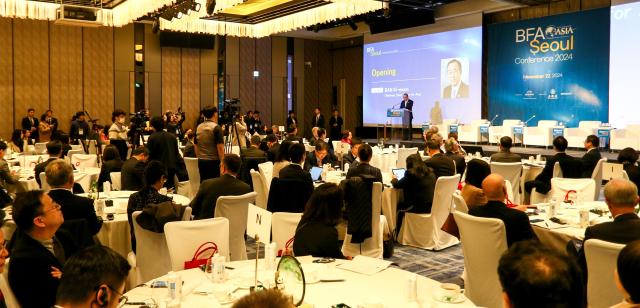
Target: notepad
(365, 265)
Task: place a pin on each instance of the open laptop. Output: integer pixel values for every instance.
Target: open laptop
(316, 172)
(399, 173)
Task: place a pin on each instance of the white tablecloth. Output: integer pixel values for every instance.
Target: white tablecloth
(385, 160)
(83, 177)
(388, 287)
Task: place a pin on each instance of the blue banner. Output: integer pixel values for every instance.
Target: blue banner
(556, 68)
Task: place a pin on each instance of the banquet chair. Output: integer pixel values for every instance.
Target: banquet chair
(41, 147)
(74, 152)
(235, 209)
(625, 175)
(184, 238)
(557, 171)
(536, 197)
(403, 153)
(484, 240)
(596, 175)
(250, 164)
(116, 180)
(151, 259)
(43, 182)
(584, 188)
(309, 148)
(194, 175)
(77, 147)
(471, 132)
(181, 188)
(259, 188)
(266, 171)
(509, 188)
(511, 172)
(92, 147)
(9, 298)
(541, 135)
(283, 228)
(497, 132)
(459, 203)
(601, 262)
(424, 230)
(576, 135)
(30, 161)
(288, 195)
(372, 246)
(81, 161)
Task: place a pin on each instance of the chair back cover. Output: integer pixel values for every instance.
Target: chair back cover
(41, 147)
(512, 173)
(9, 298)
(484, 240)
(371, 247)
(283, 227)
(601, 262)
(30, 161)
(288, 195)
(43, 181)
(596, 175)
(184, 238)
(403, 153)
(266, 170)
(116, 180)
(194, 175)
(443, 199)
(459, 202)
(81, 161)
(235, 209)
(557, 171)
(152, 254)
(259, 189)
(585, 188)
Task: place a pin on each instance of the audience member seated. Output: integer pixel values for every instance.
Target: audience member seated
(270, 145)
(155, 175)
(39, 249)
(321, 136)
(441, 164)
(452, 150)
(429, 133)
(295, 170)
(269, 298)
(282, 158)
(253, 151)
(4, 253)
(350, 158)
(533, 275)
(591, 158)
(59, 176)
(571, 168)
(292, 134)
(316, 234)
(364, 168)
(111, 162)
(477, 171)
(417, 184)
(19, 140)
(346, 137)
(132, 172)
(516, 222)
(319, 157)
(505, 155)
(54, 149)
(203, 204)
(628, 157)
(314, 135)
(7, 177)
(189, 145)
(627, 275)
(94, 276)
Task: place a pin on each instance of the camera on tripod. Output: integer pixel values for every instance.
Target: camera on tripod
(230, 110)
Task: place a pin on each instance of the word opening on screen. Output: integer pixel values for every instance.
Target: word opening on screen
(441, 72)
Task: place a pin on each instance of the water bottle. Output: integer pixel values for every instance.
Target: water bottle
(173, 285)
(106, 187)
(218, 268)
(270, 255)
(412, 288)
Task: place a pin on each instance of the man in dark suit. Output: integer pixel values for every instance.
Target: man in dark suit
(30, 123)
(441, 164)
(407, 104)
(132, 173)
(350, 158)
(516, 222)
(53, 122)
(335, 126)
(456, 88)
(295, 170)
(318, 119)
(363, 168)
(79, 128)
(204, 203)
(273, 145)
(505, 155)
(570, 166)
(291, 120)
(621, 197)
(253, 151)
(39, 250)
(163, 147)
(59, 175)
(54, 149)
(292, 134)
(591, 158)
(319, 157)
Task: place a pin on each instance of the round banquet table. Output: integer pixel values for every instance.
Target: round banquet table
(388, 287)
(115, 233)
(83, 177)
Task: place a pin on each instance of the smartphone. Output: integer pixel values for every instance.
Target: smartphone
(159, 284)
(108, 202)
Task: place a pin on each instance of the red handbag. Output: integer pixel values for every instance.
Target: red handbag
(286, 251)
(198, 260)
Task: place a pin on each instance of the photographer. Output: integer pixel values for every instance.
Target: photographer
(118, 132)
(239, 132)
(174, 122)
(138, 126)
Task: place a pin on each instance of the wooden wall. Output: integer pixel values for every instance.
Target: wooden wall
(181, 82)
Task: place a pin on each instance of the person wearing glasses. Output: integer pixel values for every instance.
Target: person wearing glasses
(39, 249)
(95, 276)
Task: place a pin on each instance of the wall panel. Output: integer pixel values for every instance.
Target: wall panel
(311, 77)
(6, 78)
(171, 78)
(190, 85)
(263, 83)
(31, 66)
(247, 82)
(66, 73)
(98, 69)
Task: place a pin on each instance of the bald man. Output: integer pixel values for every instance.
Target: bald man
(516, 222)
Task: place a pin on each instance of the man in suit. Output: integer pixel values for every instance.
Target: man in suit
(505, 155)
(453, 151)
(350, 158)
(204, 203)
(291, 120)
(318, 119)
(456, 88)
(319, 157)
(79, 128)
(209, 144)
(407, 104)
(591, 158)
(292, 134)
(39, 249)
(441, 164)
(621, 197)
(30, 123)
(570, 168)
(516, 222)
(363, 168)
(59, 175)
(53, 122)
(256, 123)
(132, 173)
(335, 126)
(54, 149)
(272, 145)
(295, 170)
(253, 151)
(163, 147)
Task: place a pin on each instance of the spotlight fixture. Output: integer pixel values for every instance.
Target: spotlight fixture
(195, 6)
(178, 14)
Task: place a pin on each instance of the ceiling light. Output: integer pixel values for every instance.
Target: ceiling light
(195, 6)
(178, 14)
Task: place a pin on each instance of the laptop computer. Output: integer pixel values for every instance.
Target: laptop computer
(316, 172)
(399, 173)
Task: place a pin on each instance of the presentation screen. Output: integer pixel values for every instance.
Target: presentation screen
(440, 72)
(556, 68)
(623, 68)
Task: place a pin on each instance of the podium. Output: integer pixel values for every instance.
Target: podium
(403, 116)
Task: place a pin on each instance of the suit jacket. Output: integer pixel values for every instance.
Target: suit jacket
(5, 175)
(461, 164)
(349, 158)
(204, 203)
(409, 106)
(589, 162)
(463, 91)
(317, 239)
(516, 222)
(252, 152)
(365, 169)
(318, 122)
(295, 172)
(26, 124)
(163, 147)
(30, 275)
(271, 153)
(291, 121)
(633, 172)
(132, 174)
(506, 157)
(114, 165)
(76, 126)
(312, 160)
(77, 207)
(335, 128)
(570, 169)
(418, 191)
(623, 229)
(441, 165)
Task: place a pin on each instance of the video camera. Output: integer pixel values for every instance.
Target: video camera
(230, 109)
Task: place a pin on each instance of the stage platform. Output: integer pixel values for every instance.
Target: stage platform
(487, 150)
